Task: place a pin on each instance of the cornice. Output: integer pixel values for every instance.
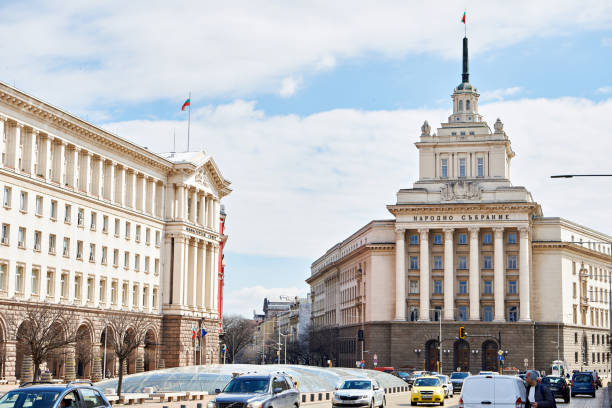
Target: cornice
(574, 248)
(396, 209)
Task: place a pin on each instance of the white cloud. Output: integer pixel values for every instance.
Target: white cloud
(604, 90)
(301, 184)
(87, 54)
(289, 86)
(500, 94)
(245, 301)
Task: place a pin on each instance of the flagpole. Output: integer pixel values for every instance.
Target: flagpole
(465, 23)
(189, 121)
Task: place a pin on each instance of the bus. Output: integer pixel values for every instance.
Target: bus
(558, 368)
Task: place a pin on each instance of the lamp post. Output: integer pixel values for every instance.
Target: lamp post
(607, 243)
(438, 312)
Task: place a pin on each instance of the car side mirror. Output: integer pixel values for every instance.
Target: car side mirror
(376, 387)
(277, 390)
(217, 390)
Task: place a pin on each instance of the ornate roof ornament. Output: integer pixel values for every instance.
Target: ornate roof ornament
(498, 126)
(461, 190)
(425, 129)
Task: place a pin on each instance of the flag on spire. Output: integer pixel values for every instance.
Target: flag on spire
(463, 18)
(186, 104)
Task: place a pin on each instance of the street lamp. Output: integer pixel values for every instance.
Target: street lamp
(438, 312)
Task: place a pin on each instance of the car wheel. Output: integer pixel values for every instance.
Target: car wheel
(566, 399)
(593, 395)
(442, 403)
(573, 395)
(372, 403)
(384, 403)
(413, 403)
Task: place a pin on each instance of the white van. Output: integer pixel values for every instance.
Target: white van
(486, 391)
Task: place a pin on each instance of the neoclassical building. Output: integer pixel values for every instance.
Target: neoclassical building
(96, 224)
(466, 248)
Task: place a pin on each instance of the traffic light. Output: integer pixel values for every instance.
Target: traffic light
(360, 335)
(462, 334)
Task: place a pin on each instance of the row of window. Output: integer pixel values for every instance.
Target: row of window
(591, 273)
(462, 287)
(463, 313)
(77, 286)
(462, 167)
(595, 339)
(596, 357)
(21, 243)
(462, 262)
(80, 214)
(487, 238)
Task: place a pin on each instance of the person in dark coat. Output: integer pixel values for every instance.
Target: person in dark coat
(538, 395)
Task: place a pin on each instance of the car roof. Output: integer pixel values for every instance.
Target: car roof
(51, 387)
(429, 376)
(357, 379)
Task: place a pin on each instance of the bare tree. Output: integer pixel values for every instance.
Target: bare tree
(83, 350)
(125, 333)
(237, 335)
(44, 332)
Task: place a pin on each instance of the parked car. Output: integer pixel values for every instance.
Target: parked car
(388, 370)
(359, 392)
(427, 389)
(488, 373)
(258, 391)
(597, 378)
(584, 383)
(404, 376)
(492, 390)
(75, 394)
(457, 379)
(558, 386)
(446, 384)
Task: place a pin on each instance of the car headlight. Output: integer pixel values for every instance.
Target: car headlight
(365, 396)
(211, 404)
(254, 405)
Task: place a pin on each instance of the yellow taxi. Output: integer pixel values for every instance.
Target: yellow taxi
(427, 390)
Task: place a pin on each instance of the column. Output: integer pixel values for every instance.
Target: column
(44, 156)
(12, 145)
(202, 214)
(474, 288)
(170, 205)
(71, 166)
(29, 151)
(158, 207)
(85, 178)
(2, 138)
(109, 180)
(140, 192)
(96, 177)
(215, 279)
(216, 215)
(201, 247)
(191, 279)
(449, 276)
(150, 200)
(179, 261)
(524, 276)
(180, 202)
(498, 275)
(131, 181)
(424, 275)
(165, 282)
(59, 164)
(400, 274)
(185, 272)
(208, 283)
(194, 206)
(120, 190)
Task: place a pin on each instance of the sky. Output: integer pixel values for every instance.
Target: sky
(311, 109)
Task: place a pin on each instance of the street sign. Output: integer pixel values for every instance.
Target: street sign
(501, 358)
(500, 353)
(362, 365)
(375, 360)
(526, 361)
(357, 363)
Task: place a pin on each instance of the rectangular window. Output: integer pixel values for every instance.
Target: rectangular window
(105, 224)
(94, 217)
(53, 210)
(92, 252)
(413, 314)
(414, 239)
(137, 233)
(487, 314)
(50, 283)
(462, 262)
(146, 264)
(148, 236)
(488, 287)
(67, 211)
(486, 238)
(104, 255)
(437, 313)
(512, 237)
(102, 294)
(124, 294)
(157, 238)
(463, 238)
(114, 293)
(512, 313)
(19, 278)
(437, 239)
(461, 167)
(444, 168)
(127, 230)
(6, 233)
(145, 297)
(66, 249)
(77, 287)
(462, 313)
(136, 262)
(117, 226)
(23, 201)
(6, 198)
(437, 262)
(156, 266)
(126, 259)
(512, 289)
(488, 263)
(90, 289)
(480, 167)
(115, 257)
(413, 287)
(39, 205)
(154, 300)
(37, 240)
(79, 253)
(3, 275)
(80, 217)
(135, 296)
(21, 236)
(414, 262)
(34, 282)
(52, 244)
(463, 288)
(437, 287)
(511, 261)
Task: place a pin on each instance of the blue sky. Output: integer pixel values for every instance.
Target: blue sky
(311, 109)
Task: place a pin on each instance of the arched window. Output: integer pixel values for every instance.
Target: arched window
(489, 356)
(467, 106)
(432, 355)
(461, 106)
(462, 355)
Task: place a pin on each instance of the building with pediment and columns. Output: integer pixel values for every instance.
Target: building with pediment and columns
(98, 225)
(465, 248)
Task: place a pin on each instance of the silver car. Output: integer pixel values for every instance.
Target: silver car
(447, 385)
(359, 392)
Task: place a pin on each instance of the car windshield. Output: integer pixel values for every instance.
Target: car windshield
(458, 376)
(427, 382)
(442, 379)
(25, 399)
(245, 386)
(551, 380)
(356, 385)
(582, 378)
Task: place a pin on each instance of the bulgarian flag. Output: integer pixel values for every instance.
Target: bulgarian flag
(462, 20)
(193, 330)
(186, 104)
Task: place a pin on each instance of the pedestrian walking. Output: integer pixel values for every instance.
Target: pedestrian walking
(538, 396)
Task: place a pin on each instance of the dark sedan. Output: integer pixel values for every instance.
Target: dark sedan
(558, 386)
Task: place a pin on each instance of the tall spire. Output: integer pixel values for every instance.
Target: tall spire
(465, 76)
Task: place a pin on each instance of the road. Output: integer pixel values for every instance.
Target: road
(576, 402)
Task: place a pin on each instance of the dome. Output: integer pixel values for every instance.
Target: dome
(465, 86)
(210, 377)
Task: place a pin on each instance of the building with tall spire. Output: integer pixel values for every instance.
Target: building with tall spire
(465, 248)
